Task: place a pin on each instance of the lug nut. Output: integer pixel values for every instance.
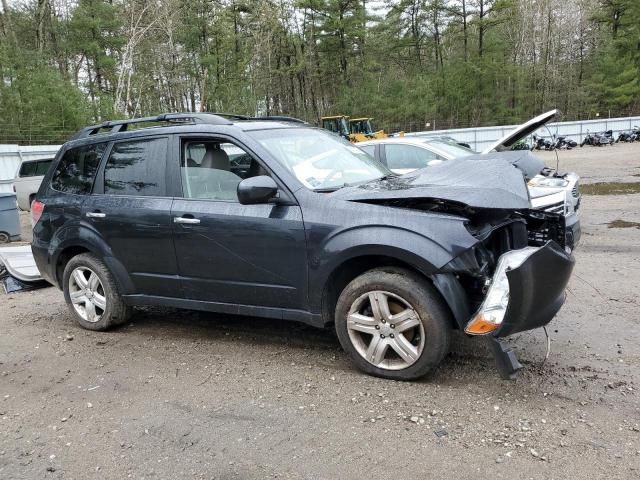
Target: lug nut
(382, 335)
(392, 336)
(393, 326)
(383, 321)
(377, 327)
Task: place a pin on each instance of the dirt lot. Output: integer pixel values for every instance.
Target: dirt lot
(178, 394)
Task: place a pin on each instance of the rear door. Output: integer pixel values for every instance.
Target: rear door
(131, 211)
(230, 253)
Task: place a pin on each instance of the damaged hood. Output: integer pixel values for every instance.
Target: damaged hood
(479, 184)
(518, 133)
(524, 160)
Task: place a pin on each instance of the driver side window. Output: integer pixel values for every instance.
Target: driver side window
(212, 169)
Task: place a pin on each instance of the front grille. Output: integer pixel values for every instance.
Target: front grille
(555, 208)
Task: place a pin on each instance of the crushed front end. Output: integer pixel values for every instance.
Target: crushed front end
(514, 278)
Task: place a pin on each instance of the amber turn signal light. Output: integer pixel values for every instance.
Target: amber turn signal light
(480, 326)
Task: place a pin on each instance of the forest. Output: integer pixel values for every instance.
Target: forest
(407, 63)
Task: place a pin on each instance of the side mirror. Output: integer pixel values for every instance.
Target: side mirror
(259, 189)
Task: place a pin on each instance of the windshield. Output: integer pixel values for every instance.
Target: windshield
(320, 160)
(451, 148)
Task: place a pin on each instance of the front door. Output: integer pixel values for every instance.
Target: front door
(131, 211)
(252, 255)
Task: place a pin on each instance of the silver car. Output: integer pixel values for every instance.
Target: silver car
(549, 191)
(28, 180)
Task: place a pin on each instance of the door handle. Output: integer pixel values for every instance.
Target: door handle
(96, 215)
(186, 220)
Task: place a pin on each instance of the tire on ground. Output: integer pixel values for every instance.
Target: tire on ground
(422, 296)
(115, 312)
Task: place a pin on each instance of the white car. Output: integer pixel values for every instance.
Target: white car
(28, 180)
(549, 191)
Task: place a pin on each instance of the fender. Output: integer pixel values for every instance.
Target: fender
(404, 245)
(83, 235)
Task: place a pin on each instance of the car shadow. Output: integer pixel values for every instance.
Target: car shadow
(469, 358)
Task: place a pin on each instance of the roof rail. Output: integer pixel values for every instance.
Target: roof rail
(280, 118)
(233, 116)
(274, 118)
(115, 126)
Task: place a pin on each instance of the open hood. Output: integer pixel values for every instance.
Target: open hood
(518, 133)
(491, 184)
(524, 160)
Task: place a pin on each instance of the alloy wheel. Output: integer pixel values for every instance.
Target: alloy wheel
(385, 330)
(87, 294)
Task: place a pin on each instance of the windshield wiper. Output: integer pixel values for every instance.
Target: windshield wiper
(330, 189)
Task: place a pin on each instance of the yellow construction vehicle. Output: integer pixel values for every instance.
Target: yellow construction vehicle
(338, 124)
(356, 130)
(361, 130)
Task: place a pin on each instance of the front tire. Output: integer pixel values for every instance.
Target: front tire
(91, 294)
(393, 324)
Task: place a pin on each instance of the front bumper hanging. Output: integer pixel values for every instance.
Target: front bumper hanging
(537, 289)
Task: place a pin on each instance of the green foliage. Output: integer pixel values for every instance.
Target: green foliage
(446, 63)
(38, 105)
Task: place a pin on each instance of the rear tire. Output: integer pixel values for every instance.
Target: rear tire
(92, 295)
(393, 324)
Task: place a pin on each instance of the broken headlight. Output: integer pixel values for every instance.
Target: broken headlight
(494, 307)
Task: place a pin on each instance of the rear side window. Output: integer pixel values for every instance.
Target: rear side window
(28, 169)
(77, 169)
(42, 167)
(407, 156)
(136, 168)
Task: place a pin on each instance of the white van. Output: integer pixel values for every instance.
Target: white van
(28, 180)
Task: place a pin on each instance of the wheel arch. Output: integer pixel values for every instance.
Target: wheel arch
(77, 240)
(446, 285)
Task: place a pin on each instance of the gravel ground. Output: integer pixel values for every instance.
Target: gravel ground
(178, 394)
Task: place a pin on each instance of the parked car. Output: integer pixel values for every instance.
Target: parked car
(28, 180)
(448, 139)
(314, 230)
(549, 191)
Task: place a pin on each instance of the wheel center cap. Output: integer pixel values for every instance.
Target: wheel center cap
(89, 294)
(385, 329)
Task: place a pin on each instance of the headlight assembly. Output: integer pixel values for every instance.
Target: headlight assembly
(494, 307)
(553, 182)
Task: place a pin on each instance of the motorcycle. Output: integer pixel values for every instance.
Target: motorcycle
(598, 139)
(630, 135)
(540, 143)
(625, 137)
(607, 138)
(561, 142)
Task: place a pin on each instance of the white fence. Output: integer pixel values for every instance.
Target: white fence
(11, 156)
(482, 137)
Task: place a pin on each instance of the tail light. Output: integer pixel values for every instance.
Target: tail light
(36, 212)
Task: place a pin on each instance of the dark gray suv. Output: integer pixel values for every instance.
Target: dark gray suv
(273, 218)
